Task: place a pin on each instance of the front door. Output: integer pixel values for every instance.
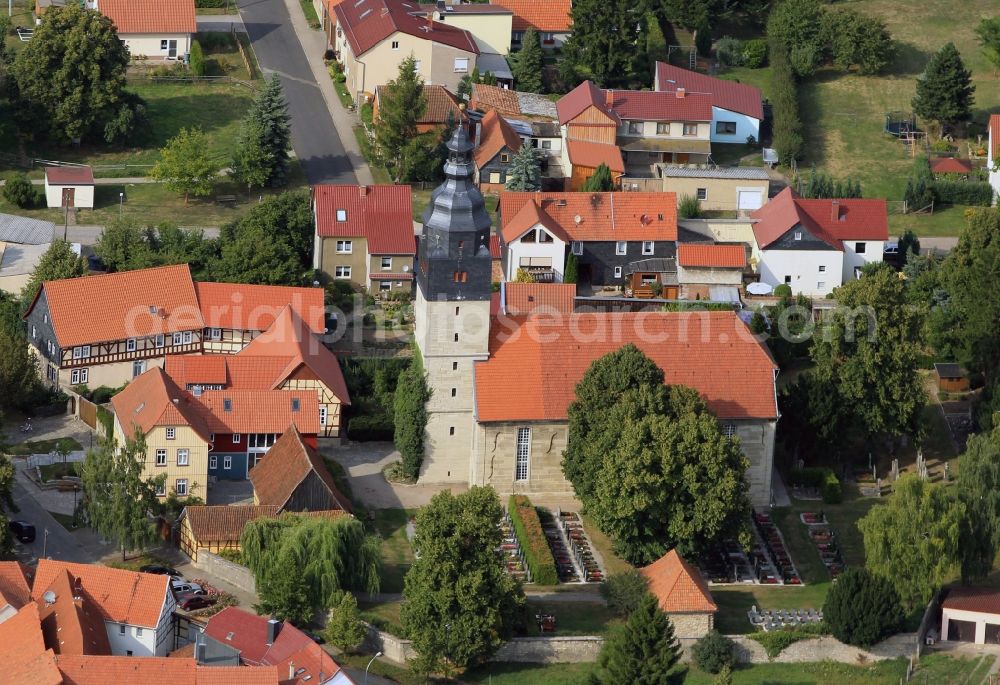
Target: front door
(172, 49)
(681, 158)
(69, 197)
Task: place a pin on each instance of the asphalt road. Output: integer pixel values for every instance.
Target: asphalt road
(278, 50)
(61, 545)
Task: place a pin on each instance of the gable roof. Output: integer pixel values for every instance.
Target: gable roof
(150, 16)
(592, 155)
(229, 370)
(525, 379)
(503, 100)
(25, 231)
(994, 136)
(14, 588)
(366, 23)
(285, 466)
(71, 623)
(254, 307)
(551, 16)
(950, 165)
(528, 216)
(116, 306)
(832, 221)
(224, 523)
(70, 175)
(525, 298)
(101, 670)
(730, 95)
(22, 650)
(649, 105)
(440, 103)
(381, 214)
(495, 135)
(153, 399)
(723, 256)
(602, 216)
(121, 596)
(982, 600)
(585, 95)
(678, 585)
(258, 411)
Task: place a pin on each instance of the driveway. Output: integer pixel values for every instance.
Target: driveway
(314, 137)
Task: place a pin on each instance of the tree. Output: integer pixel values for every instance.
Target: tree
(979, 490)
(118, 501)
(862, 609)
(525, 170)
(529, 63)
(344, 627)
(625, 591)
(797, 26)
(254, 255)
(58, 262)
(286, 217)
(642, 652)
(725, 676)
(123, 247)
(460, 603)
(714, 652)
(600, 181)
(469, 80)
(196, 59)
(690, 14)
(70, 78)
(858, 39)
(988, 34)
(945, 91)
(269, 123)
(908, 244)
(913, 539)
(252, 162)
(19, 190)
(605, 42)
(18, 369)
(410, 418)
(571, 273)
(186, 165)
(402, 104)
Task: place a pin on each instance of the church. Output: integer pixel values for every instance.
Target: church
(501, 383)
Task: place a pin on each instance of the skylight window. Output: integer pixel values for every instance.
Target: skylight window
(227, 404)
(365, 13)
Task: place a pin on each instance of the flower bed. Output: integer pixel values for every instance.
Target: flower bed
(529, 533)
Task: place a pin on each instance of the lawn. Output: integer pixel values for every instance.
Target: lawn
(397, 554)
(575, 618)
(65, 520)
(60, 470)
(384, 614)
(24, 449)
(310, 12)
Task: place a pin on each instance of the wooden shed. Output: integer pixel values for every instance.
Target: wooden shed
(951, 378)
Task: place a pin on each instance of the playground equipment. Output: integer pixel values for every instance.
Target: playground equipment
(900, 124)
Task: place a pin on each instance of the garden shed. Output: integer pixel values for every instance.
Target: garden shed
(683, 594)
(71, 187)
(951, 378)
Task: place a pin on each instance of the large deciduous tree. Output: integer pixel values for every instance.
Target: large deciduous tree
(858, 39)
(988, 35)
(979, 489)
(644, 651)
(186, 165)
(69, 80)
(58, 262)
(945, 92)
(797, 25)
(396, 145)
(861, 608)
(605, 42)
(913, 540)
(460, 604)
(528, 63)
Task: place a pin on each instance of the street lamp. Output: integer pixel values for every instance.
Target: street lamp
(377, 655)
(45, 542)
(121, 203)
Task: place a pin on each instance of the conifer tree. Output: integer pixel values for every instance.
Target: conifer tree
(397, 145)
(642, 652)
(600, 182)
(525, 171)
(253, 161)
(529, 62)
(605, 43)
(945, 91)
(266, 128)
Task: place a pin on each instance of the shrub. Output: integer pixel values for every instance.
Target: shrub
(19, 191)
(535, 546)
(964, 193)
(625, 591)
(861, 608)
(713, 652)
(197, 59)
(783, 290)
(410, 413)
(775, 641)
(103, 394)
(755, 53)
(729, 51)
(787, 127)
(210, 3)
(689, 207)
(571, 273)
(344, 627)
(822, 478)
(941, 145)
(369, 428)
(703, 40)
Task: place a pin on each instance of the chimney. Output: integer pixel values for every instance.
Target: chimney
(681, 92)
(609, 98)
(363, 189)
(835, 210)
(200, 652)
(430, 21)
(273, 628)
(77, 589)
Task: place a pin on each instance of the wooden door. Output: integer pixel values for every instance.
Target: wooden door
(69, 197)
(681, 158)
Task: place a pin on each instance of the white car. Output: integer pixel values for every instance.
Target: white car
(184, 587)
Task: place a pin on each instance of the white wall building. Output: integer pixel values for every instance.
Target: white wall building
(69, 186)
(971, 614)
(737, 109)
(153, 29)
(993, 155)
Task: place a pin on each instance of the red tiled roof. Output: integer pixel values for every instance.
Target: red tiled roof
(603, 216)
(366, 23)
(440, 103)
(592, 155)
(982, 600)
(711, 352)
(724, 256)
(222, 523)
(381, 214)
(121, 596)
(678, 585)
(254, 307)
(22, 650)
(525, 298)
(495, 134)
(71, 625)
(529, 216)
(14, 587)
(503, 100)
(730, 95)
(950, 165)
(69, 175)
(117, 306)
(495, 250)
(285, 466)
(150, 16)
(101, 670)
(153, 399)
(585, 95)
(832, 221)
(648, 105)
(259, 411)
(552, 16)
(994, 136)
(197, 369)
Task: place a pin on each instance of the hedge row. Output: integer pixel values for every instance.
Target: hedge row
(824, 479)
(964, 192)
(529, 533)
(787, 127)
(369, 428)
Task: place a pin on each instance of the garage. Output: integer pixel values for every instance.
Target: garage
(749, 200)
(961, 631)
(971, 614)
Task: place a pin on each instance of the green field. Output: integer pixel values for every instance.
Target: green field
(397, 554)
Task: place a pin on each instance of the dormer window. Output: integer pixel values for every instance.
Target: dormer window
(227, 405)
(798, 235)
(341, 215)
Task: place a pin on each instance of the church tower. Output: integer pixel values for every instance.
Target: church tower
(452, 312)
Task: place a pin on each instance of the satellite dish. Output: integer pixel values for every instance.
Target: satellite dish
(49, 597)
(578, 219)
(406, 268)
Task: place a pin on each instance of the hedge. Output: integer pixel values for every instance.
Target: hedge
(369, 428)
(787, 127)
(529, 533)
(964, 193)
(824, 479)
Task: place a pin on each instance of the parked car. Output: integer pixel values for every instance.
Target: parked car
(191, 602)
(22, 530)
(182, 587)
(314, 636)
(158, 570)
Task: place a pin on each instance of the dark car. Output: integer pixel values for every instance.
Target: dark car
(314, 636)
(193, 602)
(22, 530)
(158, 570)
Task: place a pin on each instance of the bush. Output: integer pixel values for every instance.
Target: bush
(754, 53)
(103, 394)
(713, 652)
(822, 478)
(344, 627)
(703, 40)
(787, 127)
(196, 59)
(625, 591)
(369, 428)
(210, 3)
(861, 608)
(775, 641)
(410, 414)
(963, 193)
(729, 51)
(19, 191)
(689, 207)
(783, 290)
(534, 545)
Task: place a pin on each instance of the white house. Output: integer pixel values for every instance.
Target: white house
(536, 243)
(993, 155)
(736, 107)
(971, 614)
(69, 186)
(816, 245)
(152, 29)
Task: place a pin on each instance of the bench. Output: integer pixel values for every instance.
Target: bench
(226, 199)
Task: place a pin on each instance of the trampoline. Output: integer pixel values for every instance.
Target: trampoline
(900, 124)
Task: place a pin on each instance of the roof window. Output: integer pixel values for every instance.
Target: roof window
(227, 404)
(295, 404)
(341, 215)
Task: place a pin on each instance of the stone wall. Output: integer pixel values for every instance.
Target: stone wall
(551, 650)
(691, 625)
(234, 574)
(393, 648)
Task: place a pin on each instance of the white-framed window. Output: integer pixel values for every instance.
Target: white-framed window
(798, 235)
(81, 352)
(181, 487)
(213, 462)
(577, 247)
(34, 333)
(727, 128)
(227, 463)
(236, 438)
(384, 286)
(648, 247)
(618, 272)
(342, 272)
(45, 318)
(395, 45)
(78, 376)
(548, 38)
(161, 489)
(621, 247)
(690, 129)
(386, 263)
(702, 193)
(345, 246)
(215, 333)
(461, 65)
(322, 415)
(121, 628)
(178, 338)
(494, 177)
(523, 453)
(516, 36)
(138, 632)
(163, 46)
(130, 345)
(183, 457)
(341, 215)
(663, 128)
(546, 144)
(159, 341)
(138, 368)
(729, 430)
(171, 433)
(188, 337)
(161, 457)
(822, 268)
